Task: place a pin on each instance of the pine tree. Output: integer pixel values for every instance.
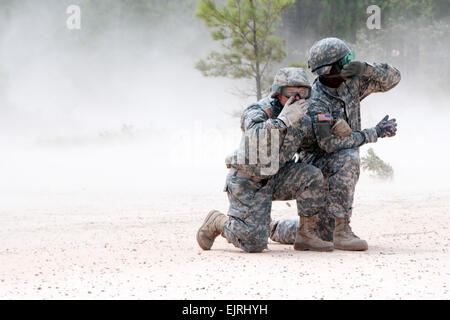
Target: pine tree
(246, 29)
(372, 162)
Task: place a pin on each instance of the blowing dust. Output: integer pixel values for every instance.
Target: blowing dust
(121, 116)
(113, 151)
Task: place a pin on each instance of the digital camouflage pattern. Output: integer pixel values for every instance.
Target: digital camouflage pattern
(261, 116)
(341, 171)
(326, 52)
(284, 231)
(251, 202)
(260, 120)
(294, 77)
(251, 198)
(250, 192)
(342, 103)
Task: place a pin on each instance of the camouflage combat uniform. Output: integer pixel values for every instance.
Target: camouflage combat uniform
(251, 193)
(340, 167)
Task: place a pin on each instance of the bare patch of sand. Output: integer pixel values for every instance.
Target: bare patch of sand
(149, 251)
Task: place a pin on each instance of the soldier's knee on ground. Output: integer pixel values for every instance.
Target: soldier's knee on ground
(255, 242)
(246, 235)
(254, 247)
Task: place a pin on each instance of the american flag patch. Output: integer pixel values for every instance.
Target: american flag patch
(268, 112)
(324, 117)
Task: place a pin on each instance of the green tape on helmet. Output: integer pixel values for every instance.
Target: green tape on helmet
(349, 57)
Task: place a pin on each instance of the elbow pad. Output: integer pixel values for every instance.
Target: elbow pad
(341, 129)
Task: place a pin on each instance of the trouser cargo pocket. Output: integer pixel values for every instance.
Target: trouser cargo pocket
(241, 194)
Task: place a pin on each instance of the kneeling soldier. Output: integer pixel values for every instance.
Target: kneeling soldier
(278, 124)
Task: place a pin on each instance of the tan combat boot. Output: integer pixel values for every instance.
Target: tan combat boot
(210, 229)
(345, 239)
(307, 239)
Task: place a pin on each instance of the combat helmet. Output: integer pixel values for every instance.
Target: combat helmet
(326, 52)
(289, 77)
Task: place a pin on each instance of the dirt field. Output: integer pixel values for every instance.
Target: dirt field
(102, 249)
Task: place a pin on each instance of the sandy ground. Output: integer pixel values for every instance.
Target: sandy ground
(148, 251)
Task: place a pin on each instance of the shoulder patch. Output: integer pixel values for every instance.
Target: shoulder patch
(268, 112)
(323, 117)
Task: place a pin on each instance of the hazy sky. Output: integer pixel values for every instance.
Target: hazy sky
(61, 90)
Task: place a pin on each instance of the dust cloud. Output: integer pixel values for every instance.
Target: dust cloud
(115, 114)
(118, 111)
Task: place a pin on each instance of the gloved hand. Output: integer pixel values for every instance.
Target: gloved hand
(354, 68)
(386, 128)
(293, 111)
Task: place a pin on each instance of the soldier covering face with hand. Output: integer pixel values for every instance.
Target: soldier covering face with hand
(279, 123)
